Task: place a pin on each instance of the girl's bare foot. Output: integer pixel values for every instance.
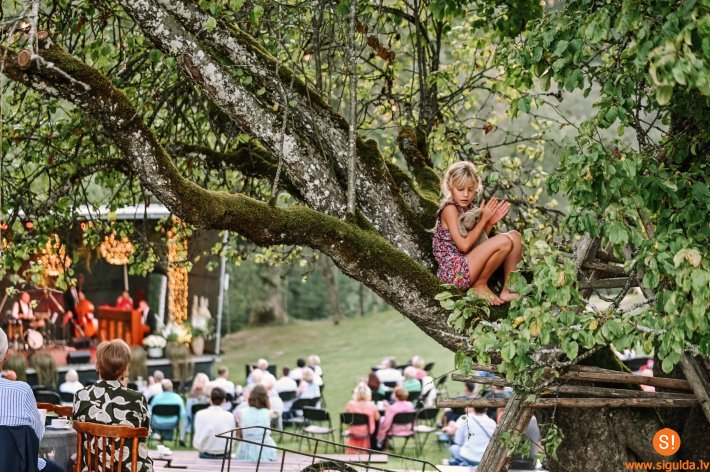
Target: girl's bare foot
(508, 296)
(487, 294)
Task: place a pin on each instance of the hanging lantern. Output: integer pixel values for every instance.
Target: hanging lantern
(116, 251)
(53, 257)
(177, 273)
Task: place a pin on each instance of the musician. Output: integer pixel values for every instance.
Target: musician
(124, 302)
(71, 300)
(149, 318)
(22, 310)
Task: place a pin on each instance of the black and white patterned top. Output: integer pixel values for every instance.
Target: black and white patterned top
(108, 402)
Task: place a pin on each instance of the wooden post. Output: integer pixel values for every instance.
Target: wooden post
(515, 418)
(698, 381)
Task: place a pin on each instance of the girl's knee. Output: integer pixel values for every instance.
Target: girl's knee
(506, 242)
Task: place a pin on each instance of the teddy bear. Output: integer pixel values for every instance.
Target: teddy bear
(468, 220)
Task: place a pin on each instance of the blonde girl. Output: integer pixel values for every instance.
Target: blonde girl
(461, 261)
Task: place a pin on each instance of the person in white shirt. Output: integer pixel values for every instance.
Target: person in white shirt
(308, 388)
(285, 383)
(156, 387)
(71, 382)
(388, 371)
(297, 373)
(222, 381)
(263, 366)
(276, 405)
(473, 433)
(314, 364)
(210, 422)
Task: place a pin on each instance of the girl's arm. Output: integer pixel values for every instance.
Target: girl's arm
(450, 218)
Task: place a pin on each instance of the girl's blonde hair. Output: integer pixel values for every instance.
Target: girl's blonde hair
(460, 173)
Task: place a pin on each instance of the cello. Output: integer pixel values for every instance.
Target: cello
(85, 325)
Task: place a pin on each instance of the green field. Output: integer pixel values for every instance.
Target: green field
(347, 352)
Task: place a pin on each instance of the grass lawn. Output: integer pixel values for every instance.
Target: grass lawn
(347, 352)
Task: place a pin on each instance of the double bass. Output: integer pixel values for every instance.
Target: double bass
(85, 325)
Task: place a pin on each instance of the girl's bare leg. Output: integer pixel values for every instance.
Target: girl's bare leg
(483, 260)
(510, 263)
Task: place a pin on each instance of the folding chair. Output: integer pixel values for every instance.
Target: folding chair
(428, 367)
(425, 424)
(168, 411)
(440, 388)
(47, 396)
(287, 396)
(322, 398)
(404, 418)
(98, 446)
(414, 398)
(193, 411)
(314, 418)
(354, 419)
(296, 407)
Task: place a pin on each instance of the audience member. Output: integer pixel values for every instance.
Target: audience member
(210, 422)
(109, 402)
(450, 416)
(314, 364)
(155, 385)
(473, 433)
(222, 381)
(277, 405)
(263, 366)
(418, 363)
(373, 382)
(388, 371)
(297, 373)
(308, 387)
(71, 382)
(286, 383)
(197, 396)
(9, 375)
(410, 383)
(164, 425)
(496, 392)
(362, 403)
(20, 422)
(256, 414)
(401, 405)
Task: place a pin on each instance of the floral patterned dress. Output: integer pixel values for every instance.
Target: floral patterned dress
(108, 402)
(453, 265)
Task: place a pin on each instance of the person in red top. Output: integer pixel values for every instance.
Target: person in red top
(399, 406)
(124, 302)
(361, 403)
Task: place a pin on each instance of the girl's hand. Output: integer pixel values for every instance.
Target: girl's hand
(488, 209)
(500, 211)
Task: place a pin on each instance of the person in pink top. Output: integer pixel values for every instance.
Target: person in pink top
(361, 403)
(401, 405)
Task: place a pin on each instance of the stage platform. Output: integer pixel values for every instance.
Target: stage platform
(87, 370)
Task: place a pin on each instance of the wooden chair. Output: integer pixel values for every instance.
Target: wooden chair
(65, 411)
(101, 441)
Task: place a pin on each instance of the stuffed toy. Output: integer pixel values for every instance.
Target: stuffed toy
(468, 220)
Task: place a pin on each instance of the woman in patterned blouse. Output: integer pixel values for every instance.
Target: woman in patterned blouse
(109, 402)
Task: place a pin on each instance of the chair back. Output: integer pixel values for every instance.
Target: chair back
(100, 446)
(427, 414)
(65, 411)
(67, 397)
(47, 396)
(316, 414)
(355, 419)
(441, 381)
(407, 417)
(390, 384)
(166, 410)
(300, 403)
(195, 408)
(377, 396)
(429, 366)
(414, 396)
(132, 386)
(287, 396)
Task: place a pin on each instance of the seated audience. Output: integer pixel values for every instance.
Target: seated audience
(256, 414)
(314, 364)
(155, 385)
(450, 416)
(210, 422)
(496, 392)
(277, 405)
(163, 425)
(388, 371)
(308, 387)
(362, 403)
(410, 383)
(18, 409)
(9, 375)
(285, 383)
(263, 366)
(418, 363)
(71, 382)
(196, 396)
(401, 405)
(473, 433)
(297, 373)
(109, 402)
(222, 381)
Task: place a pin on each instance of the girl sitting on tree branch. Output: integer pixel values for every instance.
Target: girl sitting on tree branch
(463, 262)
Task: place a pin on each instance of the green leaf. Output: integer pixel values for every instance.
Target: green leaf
(664, 94)
(210, 24)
